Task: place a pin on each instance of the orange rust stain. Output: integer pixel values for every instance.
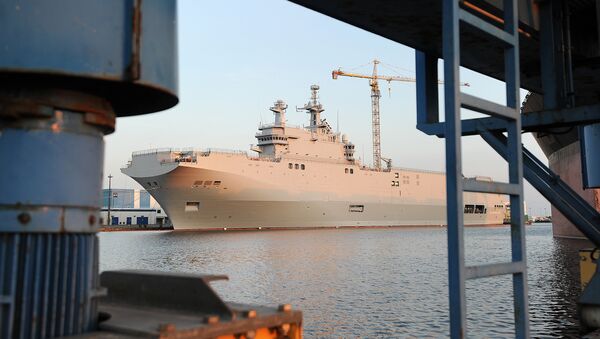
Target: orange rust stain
(491, 16)
(57, 126)
(294, 332)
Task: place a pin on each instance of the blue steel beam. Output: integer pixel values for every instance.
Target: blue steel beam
(490, 270)
(487, 107)
(454, 180)
(531, 121)
(486, 27)
(558, 193)
(515, 170)
(427, 88)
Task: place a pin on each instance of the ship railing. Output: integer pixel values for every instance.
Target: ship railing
(163, 150)
(396, 169)
(207, 152)
(151, 151)
(272, 125)
(318, 159)
(178, 155)
(254, 158)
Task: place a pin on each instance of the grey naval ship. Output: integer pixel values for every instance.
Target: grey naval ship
(297, 177)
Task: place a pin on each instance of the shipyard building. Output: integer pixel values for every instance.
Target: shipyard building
(131, 207)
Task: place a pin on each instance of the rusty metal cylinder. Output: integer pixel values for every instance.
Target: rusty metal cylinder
(51, 151)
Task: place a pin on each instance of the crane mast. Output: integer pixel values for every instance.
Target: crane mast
(376, 125)
(375, 95)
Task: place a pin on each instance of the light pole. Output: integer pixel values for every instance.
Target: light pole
(108, 222)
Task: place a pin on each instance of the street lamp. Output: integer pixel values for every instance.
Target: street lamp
(108, 222)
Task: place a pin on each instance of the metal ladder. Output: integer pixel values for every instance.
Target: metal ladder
(458, 272)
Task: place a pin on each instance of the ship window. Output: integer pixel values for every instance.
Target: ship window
(197, 182)
(217, 183)
(149, 184)
(208, 182)
(469, 208)
(192, 206)
(302, 167)
(290, 166)
(346, 170)
(296, 166)
(356, 208)
(351, 171)
(479, 209)
(155, 183)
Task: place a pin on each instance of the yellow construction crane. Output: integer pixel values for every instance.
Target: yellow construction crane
(375, 95)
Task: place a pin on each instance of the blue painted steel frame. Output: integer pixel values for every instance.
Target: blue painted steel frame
(455, 184)
(530, 121)
(454, 191)
(558, 193)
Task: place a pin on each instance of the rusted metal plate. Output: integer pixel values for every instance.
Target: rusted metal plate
(167, 305)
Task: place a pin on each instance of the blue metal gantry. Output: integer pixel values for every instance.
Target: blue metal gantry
(503, 119)
(545, 36)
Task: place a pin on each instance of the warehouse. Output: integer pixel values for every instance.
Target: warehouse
(131, 207)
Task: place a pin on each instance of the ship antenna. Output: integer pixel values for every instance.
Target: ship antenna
(314, 108)
(338, 122)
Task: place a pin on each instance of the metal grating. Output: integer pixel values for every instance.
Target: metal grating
(49, 284)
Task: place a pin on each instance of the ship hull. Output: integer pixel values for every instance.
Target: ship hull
(307, 214)
(268, 195)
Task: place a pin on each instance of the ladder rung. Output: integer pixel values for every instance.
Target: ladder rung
(484, 106)
(490, 270)
(472, 185)
(486, 27)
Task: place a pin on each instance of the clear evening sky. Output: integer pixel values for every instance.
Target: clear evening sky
(237, 57)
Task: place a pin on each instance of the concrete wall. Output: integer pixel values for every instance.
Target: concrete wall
(566, 162)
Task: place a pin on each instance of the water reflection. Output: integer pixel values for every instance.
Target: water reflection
(366, 282)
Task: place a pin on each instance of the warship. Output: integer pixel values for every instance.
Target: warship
(298, 177)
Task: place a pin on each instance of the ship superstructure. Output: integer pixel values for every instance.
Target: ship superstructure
(300, 177)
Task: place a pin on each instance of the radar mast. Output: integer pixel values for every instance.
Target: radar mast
(314, 108)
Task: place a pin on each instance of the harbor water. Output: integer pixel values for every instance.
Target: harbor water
(375, 282)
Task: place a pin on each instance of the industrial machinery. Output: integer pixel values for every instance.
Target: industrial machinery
(68, 68)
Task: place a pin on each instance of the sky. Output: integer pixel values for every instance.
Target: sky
(238, 57)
